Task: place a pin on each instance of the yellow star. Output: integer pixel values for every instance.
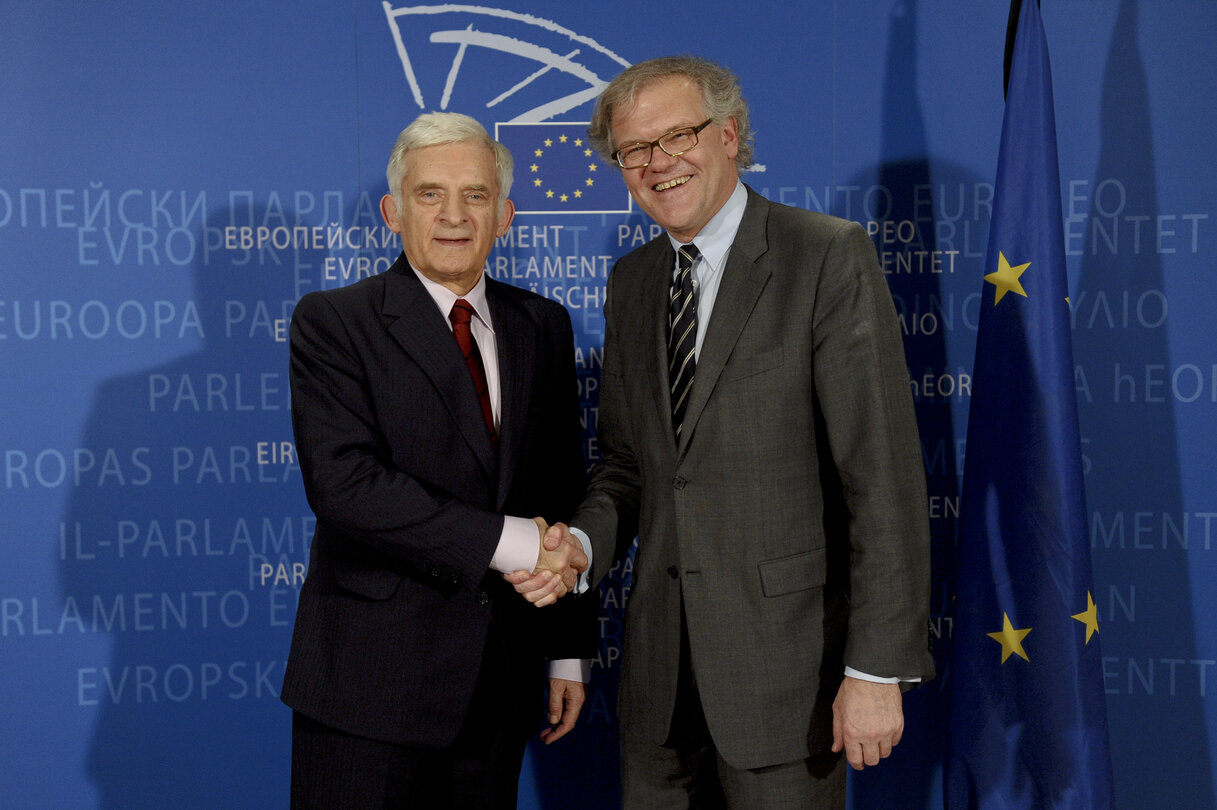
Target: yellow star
(549, 142)
(564, 198)
(587, 153)
(578, 193)
(591, 167)
(589, 182)
(1011, 640)
(578, 142)
(534, 168)
(1006, 278)
(562, 138)
(537, 182)
(1089, 617)
(539, 152)
(549, 194)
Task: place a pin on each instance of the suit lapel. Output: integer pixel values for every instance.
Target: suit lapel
(513, 337)
(657, 289)
(741, 286)
(415, 322)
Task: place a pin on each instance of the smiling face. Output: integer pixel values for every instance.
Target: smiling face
(680, 193)
(449, 214)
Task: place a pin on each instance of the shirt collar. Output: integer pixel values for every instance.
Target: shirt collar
(714, 240)
(444, 298)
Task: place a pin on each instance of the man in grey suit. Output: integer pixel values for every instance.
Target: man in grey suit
(758, 435)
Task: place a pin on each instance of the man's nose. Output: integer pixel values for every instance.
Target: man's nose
(660, 160)
(452, 209)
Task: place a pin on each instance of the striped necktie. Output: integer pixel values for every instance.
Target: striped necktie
(682, 334)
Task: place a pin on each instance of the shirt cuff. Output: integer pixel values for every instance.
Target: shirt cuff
(519, 546)
(862, 676)
(571, 669)
(584, 581)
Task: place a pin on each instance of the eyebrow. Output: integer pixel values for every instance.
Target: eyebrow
(671, 128)
(471, 187)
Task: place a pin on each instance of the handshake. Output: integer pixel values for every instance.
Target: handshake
(559, 564)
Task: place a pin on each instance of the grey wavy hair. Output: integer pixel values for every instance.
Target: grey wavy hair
(721, 98)
(436, 129)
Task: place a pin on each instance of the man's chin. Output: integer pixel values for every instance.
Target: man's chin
(667, 215)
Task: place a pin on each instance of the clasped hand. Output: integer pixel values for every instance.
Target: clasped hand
(559, 563)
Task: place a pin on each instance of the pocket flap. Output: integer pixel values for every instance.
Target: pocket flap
(795, 573)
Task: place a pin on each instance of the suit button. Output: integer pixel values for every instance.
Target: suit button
(673, 571)
(678, 482)
(483, 597)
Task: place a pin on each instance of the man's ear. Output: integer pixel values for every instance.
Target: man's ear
(731, 136)
(508, 212)
(388, 210)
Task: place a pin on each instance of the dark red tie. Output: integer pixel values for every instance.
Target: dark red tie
(461, 315)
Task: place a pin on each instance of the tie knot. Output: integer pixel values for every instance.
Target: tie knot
(461, 312)
(686, 255)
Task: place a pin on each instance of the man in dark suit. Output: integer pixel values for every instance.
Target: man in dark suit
(758, 434)
(423, 426)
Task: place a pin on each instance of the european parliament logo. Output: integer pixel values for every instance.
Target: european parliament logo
(518, 66)
(558, 172)
(522, 70)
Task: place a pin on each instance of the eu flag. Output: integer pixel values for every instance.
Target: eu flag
(1028, 721)
(558, 172)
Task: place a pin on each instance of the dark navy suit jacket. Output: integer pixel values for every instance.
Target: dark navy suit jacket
(410, 493)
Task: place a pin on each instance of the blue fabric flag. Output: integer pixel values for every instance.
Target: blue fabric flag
(1028, 720)
(558, 172)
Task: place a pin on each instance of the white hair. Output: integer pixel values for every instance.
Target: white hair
(437, 128)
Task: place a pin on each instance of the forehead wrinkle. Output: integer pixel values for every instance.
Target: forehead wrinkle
(676, 123)
(668, 131)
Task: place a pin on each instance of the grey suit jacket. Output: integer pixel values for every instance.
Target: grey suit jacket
(792, 517)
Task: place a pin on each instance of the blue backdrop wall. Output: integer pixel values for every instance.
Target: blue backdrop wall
(174, 176)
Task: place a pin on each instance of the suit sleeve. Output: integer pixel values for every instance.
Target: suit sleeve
(345, 459)
(566, 478)
(570, 628)
(861, 382)
(609, 513)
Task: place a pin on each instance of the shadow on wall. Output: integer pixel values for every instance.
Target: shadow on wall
(931, 306)
(1130, 454)
(188, 713)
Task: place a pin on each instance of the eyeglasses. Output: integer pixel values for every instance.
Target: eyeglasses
(674, 143)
